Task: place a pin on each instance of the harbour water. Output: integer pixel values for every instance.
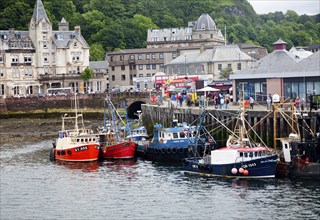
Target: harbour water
(33, 187)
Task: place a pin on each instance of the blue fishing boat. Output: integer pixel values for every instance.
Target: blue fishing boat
(169, 144)
(241, 158)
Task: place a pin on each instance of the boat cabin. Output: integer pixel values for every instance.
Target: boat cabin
(229, 155)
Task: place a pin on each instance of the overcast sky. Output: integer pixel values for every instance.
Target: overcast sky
(309, 7)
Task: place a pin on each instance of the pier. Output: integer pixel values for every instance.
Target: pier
(264, 129)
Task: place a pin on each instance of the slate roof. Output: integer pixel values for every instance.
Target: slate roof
(205, 22)
(281, 64)
(39, 12)
(62, 39)
(98, 64)
(218, 54)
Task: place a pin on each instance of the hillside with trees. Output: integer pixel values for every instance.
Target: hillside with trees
(109, 25)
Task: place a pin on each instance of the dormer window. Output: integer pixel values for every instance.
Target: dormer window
(75, 44)
(203, 26)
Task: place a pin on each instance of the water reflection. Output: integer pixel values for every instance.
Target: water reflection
(83, 166)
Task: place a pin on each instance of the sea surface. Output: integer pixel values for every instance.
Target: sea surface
(33, 187)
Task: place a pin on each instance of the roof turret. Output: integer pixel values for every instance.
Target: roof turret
(205, 22)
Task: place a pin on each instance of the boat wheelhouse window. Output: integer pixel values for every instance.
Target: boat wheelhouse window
(251, 154)
(255, 154)
(245, 154)
(259, 153)
(77, 140)
(93, 139)
(81, 140)
(175, 135)
(241, 154)
(86, 140)
(89, 139)
(182, 135)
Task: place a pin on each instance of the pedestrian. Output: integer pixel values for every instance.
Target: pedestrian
(268, 103)
(227, 102)
(297, 101)
(251, 102)
(221, 103)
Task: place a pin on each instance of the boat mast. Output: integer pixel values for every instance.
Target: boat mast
(76, 112)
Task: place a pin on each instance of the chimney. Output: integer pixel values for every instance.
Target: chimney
(279, 45)
(77, 29)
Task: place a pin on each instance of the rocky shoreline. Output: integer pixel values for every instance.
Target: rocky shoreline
(26, 130)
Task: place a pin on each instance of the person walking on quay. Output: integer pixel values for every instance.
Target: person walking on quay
(297, 101)
(251, 102)
(269, 103)
(227, 102)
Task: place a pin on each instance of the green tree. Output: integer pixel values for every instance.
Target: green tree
(87, 74)
(97, 52)
(226, 72)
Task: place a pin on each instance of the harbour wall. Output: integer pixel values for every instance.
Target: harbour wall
(153, 114)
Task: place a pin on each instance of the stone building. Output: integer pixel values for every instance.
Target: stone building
(33, 61)
(201, 32)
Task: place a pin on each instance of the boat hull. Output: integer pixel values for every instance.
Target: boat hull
(80, 153)
(121, 150)
(298, 168)
(165, 154)
(257, 168)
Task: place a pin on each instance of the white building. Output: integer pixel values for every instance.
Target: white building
(41, 58)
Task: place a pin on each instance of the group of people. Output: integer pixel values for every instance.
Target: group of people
(221, 100)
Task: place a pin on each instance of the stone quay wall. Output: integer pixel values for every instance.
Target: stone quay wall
(153, 114)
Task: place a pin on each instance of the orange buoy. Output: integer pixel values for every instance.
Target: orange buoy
(246, 172)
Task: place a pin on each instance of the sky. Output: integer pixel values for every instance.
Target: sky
(309, 7)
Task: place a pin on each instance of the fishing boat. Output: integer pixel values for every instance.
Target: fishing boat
(77, 144)
(113, 143)
(240, 158)
(169, 144)
(299, 157)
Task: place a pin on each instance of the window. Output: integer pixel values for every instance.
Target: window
(44, 25)
(211, 35)
(1, 59)
(219, 67)
(112, 68)
(123, 67)
(175, 135)
(113, 78)
(123, 77)
(229, 65)
(45, 59)
(121, 57)
(200, 36)
(147, 66)
(160, 55)
(153, 56)
(239, 66)
(111, 58)
(46, 70)
(99, 85)
(45, 45)
(148, 74)
(182, 135)
(15, 72)
(1, 72)
(28, 71)
(174, 55)
(44, 37)
(139, 56)
(154, 66)
(15, 59)
(75, 44)
(131, 57)
(140, 67)
(148, 56)
(16, 90)
(1, 89)
(27, 59)
(140, 75)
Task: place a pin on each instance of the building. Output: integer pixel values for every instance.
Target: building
(100, 70)
(201, 32)
(280, 72)
(209, 61)
(183, 51)
(33, 61)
